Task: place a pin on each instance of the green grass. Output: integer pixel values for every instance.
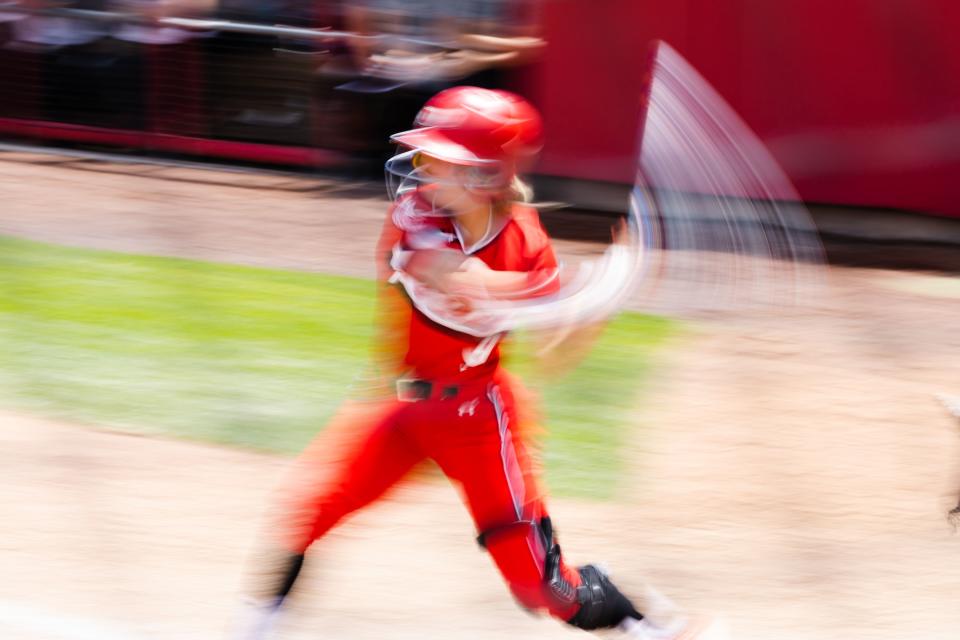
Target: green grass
(252, 357)
(589, 410)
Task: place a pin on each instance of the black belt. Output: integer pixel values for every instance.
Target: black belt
(411, 390)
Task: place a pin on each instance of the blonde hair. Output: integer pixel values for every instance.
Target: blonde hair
(517, 191)
(520, 191)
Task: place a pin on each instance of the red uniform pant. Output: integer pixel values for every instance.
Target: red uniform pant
(473, 436)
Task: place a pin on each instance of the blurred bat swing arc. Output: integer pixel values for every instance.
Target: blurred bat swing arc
(718, 222)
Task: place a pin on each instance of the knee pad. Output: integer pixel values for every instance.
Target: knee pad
(602, 606)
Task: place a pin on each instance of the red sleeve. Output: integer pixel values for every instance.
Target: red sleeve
(545, 275)
(539, 257)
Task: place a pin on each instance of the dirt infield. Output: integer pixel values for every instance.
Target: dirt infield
(790, 471)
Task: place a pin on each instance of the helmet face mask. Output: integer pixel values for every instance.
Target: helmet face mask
(444, 184)
(468, 139)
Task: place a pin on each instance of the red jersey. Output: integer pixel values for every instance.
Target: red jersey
(438, 352)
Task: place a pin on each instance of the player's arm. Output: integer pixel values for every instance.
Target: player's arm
(501, 44)
(517, 33)
(451, 272)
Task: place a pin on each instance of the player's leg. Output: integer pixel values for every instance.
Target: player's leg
(363, 451)
(490, 463)
(361, 454)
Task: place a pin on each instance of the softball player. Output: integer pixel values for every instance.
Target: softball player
(456, 236)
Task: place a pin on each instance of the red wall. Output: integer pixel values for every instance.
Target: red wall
(858, 99)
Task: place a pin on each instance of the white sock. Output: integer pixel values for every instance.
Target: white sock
(255, 620)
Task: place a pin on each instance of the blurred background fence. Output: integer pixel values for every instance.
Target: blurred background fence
(265, 82)
(859, 101)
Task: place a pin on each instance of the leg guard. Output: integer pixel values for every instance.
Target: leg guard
(530, 562)
(590, 602)
(602, 606)
(556, 582)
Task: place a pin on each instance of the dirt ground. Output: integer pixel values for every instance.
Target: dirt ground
(790, 470)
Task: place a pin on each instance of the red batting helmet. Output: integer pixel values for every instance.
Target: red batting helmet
(497, 132)
(468, 125)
